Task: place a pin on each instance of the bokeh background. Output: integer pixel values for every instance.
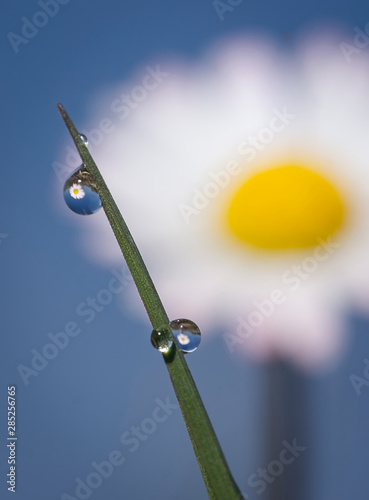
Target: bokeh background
(109, 378)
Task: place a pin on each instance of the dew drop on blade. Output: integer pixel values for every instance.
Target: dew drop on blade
(162, 340)
(83, 138)
(80, 193)
(187, 334)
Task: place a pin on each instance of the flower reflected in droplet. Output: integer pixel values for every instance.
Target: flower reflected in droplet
(81, 194)
(76, 191)
(183, 339)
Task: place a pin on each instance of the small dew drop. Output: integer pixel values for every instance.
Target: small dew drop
(80, 193)
(84, 139)
(162, 340)
(187, 334)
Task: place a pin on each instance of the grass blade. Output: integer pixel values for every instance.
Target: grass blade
(217, 476)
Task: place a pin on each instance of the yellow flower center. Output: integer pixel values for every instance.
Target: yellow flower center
(75, 191)
(287, 207)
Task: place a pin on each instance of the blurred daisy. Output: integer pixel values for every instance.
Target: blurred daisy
(76, 191)
(245, 180)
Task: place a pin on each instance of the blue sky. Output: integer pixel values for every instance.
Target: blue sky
(108, 377)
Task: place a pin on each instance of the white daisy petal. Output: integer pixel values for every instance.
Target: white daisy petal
(191, 143)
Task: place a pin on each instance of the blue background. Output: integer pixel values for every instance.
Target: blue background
(108, 377)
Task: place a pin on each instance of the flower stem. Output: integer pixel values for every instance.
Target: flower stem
(216, 474)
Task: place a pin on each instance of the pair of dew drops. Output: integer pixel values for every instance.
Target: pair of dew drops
(186, 333)
(81, 196)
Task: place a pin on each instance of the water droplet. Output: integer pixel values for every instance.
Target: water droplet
(84, 138)
(187, 334)
(80, 193)
(162, 339)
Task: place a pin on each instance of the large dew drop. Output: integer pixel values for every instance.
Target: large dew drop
(187, 334)
(80, 193)
(162, 340)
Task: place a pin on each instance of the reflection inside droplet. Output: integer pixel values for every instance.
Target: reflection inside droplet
(80, 193)
(187, 334)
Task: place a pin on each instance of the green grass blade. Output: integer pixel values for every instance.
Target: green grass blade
(217, 476)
